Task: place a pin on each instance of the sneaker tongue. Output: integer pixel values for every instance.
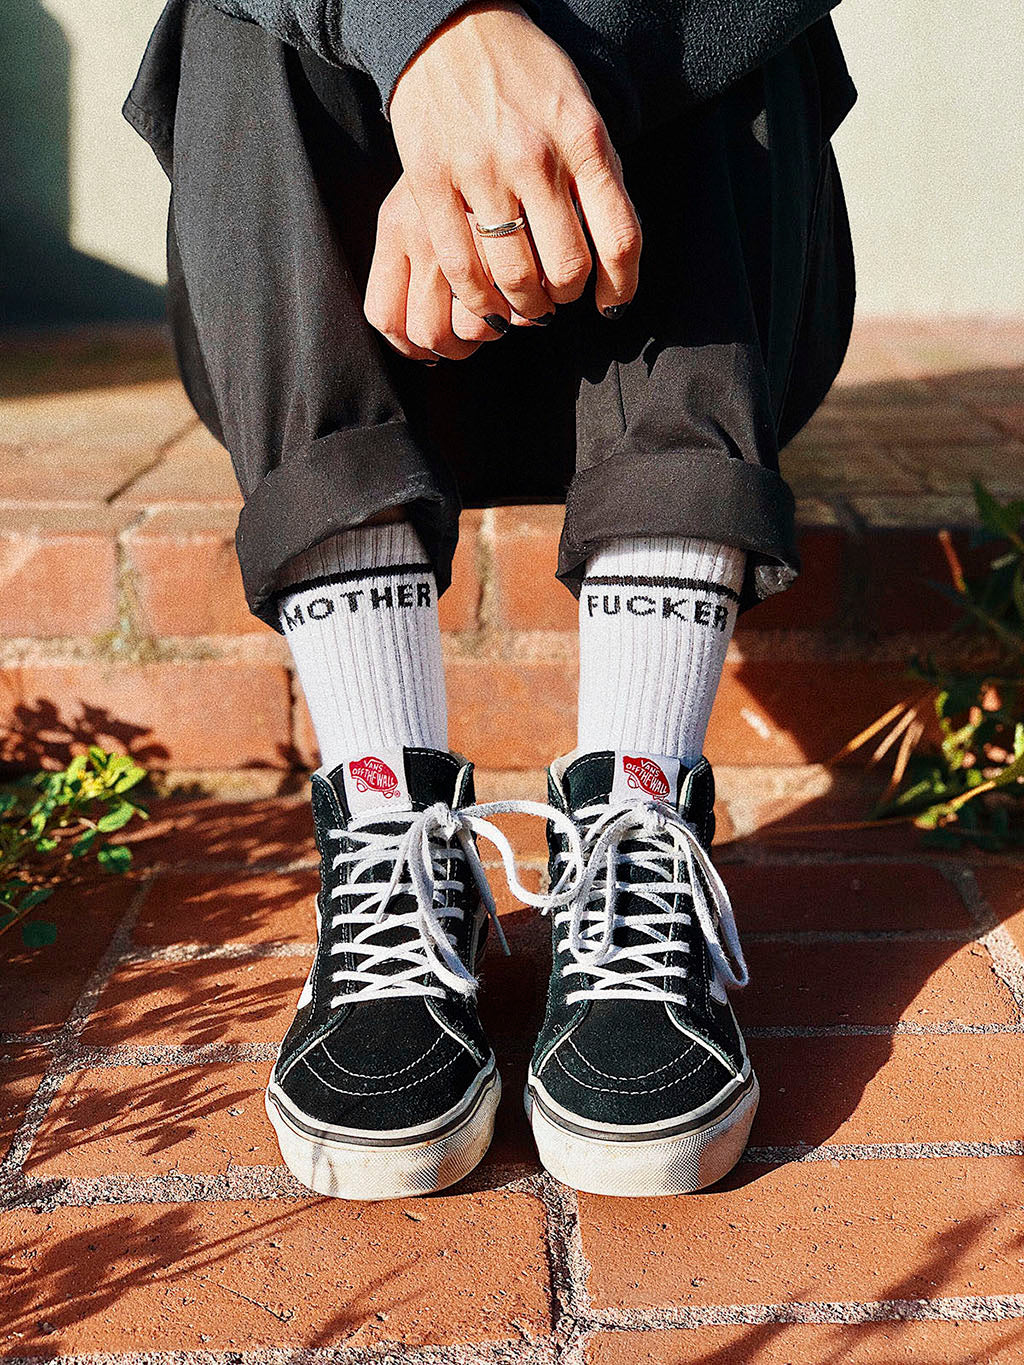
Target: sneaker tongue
(396, 779)
(622, 776)
(375, 780)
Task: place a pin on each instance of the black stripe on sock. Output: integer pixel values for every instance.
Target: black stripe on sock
(328, 580)
(687, 584)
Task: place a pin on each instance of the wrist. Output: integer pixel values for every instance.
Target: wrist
(476, 18)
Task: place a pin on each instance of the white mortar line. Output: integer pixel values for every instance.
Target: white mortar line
(522, 1351)
(169, 1054)
(940, 1027)
(880, 1151)
(201, 952)
(11, 1175)
(1007, 960)
(968, 1308)
(570, 1268)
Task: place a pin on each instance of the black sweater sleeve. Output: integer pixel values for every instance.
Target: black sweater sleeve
(378, 37)
(643, 60)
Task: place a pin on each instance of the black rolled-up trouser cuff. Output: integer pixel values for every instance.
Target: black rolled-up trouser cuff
(684, 493)
(339, 482)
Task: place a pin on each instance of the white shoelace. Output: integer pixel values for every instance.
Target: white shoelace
(417, 854)
(641, 970)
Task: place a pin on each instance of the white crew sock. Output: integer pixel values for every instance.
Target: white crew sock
(359, 612)
(656, 617)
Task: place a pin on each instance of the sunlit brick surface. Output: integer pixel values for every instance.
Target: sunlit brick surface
(876, 1217)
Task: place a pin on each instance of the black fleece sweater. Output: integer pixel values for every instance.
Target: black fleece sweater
(642, 59)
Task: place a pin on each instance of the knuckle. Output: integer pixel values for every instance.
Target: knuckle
(388, 215)
(529, 157)
(623, 242)
(457, 270)
(379, 317)
(516, 279)
(588, 146)
(570, 271)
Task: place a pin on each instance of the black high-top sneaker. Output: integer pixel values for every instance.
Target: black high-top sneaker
(385, 1084)
(640, 1082)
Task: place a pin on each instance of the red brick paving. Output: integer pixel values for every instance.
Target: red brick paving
(230, 908)
(237, 832)
(844, 898)
(122, 1120)
(143, 1206)
(188, 1004)
(40, 989)
(113, 1272)
(875, 1343)
(907, 1088)
(810, 1232)
(237, 1276)
(22, 1069)
(872, 983)
(1004, 890)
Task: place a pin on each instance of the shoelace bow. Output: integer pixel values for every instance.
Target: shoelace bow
(592, 917)
(431, 838)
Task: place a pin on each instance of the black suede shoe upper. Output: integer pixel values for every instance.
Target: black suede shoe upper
(630, 1062)
(396, 1062)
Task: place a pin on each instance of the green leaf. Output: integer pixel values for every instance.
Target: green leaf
(997, 518)
(84, 843)
(38, 933)
(36, 896)
(8, 802)
(116, 818)
(114, 858)
(131, 778)
(1018, 590)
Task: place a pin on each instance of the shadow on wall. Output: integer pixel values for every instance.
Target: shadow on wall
(43, 278)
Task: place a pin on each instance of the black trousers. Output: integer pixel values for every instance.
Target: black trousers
(666, 421)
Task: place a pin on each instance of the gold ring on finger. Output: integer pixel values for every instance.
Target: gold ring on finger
(502, 229)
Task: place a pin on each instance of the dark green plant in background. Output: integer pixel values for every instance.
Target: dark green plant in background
(52, 825)
(971, 788)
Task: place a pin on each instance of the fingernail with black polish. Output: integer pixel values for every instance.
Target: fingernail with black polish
(543, 321)
(615, 310)
(498, 324)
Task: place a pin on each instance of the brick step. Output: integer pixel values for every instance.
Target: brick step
(224, 713)
(123, 618)
(74, 572)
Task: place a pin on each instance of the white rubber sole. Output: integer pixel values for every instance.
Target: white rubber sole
(354, 1167)
(680, 1164)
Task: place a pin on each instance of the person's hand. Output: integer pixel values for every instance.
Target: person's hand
(408, 300)
(492, 118)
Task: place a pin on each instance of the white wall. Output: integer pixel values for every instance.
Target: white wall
(933, 156)
(118, 192)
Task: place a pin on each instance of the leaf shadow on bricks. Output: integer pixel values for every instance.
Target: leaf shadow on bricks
(947, 1265)
(41, 733)
(231, 832)
(239, 1274)
(182, 1118)
(191, 1004)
